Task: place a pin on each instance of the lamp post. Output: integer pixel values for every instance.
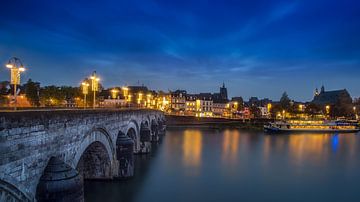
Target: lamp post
(284, 114)
(85, 89)
(114, 93)
(356, 116)
(94, 85)
(16, 67)
(269, 106)
(125, 92)
(327, 108)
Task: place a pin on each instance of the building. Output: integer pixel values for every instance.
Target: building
(332, 97)
(220, 108)
(190, 106)
(136, 95)
(204, 105)
(178, 101)
(220, 101)
(264, 112)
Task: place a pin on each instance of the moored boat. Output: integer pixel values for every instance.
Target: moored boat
(313, 126)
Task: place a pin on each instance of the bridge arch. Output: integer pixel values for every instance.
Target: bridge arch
(10, 192)
(133, 131)
(95, 156)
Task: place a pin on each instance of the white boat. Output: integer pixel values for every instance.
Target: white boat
(313, 126)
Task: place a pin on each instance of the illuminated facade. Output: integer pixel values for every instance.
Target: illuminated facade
(178, 101)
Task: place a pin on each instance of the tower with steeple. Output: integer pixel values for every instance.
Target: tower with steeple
(322, 89)
(316, 93)
(223, 92)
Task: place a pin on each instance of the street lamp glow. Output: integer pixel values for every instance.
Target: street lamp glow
(85, 90)
(16, 67)
(114, 93)
(94, 86)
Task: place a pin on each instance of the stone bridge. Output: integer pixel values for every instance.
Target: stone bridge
(82, 142)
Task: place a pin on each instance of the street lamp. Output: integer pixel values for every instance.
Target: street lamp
(269, 106)
(140, 97)
(85, 89)
(356, 116)
(16, 67)
(284, 114)
(94, 85)
(327, 109)
(114, 93)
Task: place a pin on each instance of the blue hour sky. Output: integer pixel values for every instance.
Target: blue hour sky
(258, 48)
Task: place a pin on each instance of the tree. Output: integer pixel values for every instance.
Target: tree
(285, 101)
(254, 110)
(32, 91)
(51, 96)
(312, 109)
(4, 91)
(56, 96)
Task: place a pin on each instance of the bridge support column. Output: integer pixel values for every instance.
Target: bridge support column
(145, 140)
(60, 182)
(124, 156)
(161, 128)
(155, 133)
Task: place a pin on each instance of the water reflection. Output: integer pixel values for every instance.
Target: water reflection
(231, 165)
(230, 147)
(192, 148)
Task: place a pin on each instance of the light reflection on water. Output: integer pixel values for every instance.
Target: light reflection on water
(233, 165)
(192, 148)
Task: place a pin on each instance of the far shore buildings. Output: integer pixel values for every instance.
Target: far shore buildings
(209, 104)
(201, 105)
(332, 97)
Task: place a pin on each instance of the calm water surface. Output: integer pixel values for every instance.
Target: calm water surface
(233, 165)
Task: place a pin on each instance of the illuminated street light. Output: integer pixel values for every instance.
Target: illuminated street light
(16, 67)
(269, 106)
(301, 107)
(140, 97)
(284, 114)
(125, 92)
(85, 90)
(356, 115)
(94, 85)
(327, 109)
(114, 93)
(148, 99)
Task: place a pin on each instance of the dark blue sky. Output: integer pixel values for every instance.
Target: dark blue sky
(258, 48)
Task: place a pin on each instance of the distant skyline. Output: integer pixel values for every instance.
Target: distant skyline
(258, 48)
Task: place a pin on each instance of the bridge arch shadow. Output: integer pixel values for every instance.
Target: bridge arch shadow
(95, 156)
(132, 131)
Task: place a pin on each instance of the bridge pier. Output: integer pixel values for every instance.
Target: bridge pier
(145, 140)
(125, 156)
(59, 182)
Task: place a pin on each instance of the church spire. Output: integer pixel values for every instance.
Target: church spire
(322, 89)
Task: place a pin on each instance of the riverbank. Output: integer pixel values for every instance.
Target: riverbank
(173, 121)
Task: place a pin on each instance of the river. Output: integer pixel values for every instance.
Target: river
(238, 165)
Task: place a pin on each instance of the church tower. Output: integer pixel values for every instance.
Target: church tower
(316, 92)
(322, 89)
(223, 92)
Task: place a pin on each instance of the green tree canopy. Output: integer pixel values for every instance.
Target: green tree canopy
(32, 91)
(285, 101)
